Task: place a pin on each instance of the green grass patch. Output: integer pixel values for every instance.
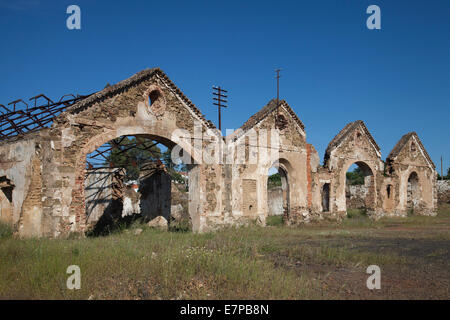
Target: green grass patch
(356, 213)
(274, 220)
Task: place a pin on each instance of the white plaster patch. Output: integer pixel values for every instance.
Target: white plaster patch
(67, 137)
(143, 114)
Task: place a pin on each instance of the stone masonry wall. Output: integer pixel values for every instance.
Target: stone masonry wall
(356, 196)
(443, 191)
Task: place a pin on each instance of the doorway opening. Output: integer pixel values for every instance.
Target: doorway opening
(359, 189)
(134, 179)
(277, 195)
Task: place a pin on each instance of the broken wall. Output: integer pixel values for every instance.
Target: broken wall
(443, 191)
(20, 177)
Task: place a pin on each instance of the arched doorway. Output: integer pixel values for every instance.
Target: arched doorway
(413, 193)
(359, 189)
(135, 177)
(278, 194)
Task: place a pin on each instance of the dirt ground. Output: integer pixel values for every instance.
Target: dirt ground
(422, 274)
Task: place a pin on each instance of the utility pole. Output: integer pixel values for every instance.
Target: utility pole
(442, 170)
(219, 100)
(278, 87)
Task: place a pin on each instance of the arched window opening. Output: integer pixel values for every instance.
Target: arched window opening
(153, 96)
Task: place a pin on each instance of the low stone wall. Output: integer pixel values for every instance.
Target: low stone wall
(275, 201)
(443, 190)
(355, 196)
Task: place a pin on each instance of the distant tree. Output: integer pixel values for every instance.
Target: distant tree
(355, 177)
(274, 180)
(124, 154)
(129, 154)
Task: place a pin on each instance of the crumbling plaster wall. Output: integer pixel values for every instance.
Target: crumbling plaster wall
(16, 159)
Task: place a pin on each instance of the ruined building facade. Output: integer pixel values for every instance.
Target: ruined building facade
(43, 173)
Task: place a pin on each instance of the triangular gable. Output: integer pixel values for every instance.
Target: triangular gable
(347, 130)
(119, 87)
(264, 113)
(403, 142)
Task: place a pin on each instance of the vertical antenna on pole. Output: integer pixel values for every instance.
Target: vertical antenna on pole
(280, 121)
(278, 86)
(219, 100)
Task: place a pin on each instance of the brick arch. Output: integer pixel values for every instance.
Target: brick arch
(78, 205)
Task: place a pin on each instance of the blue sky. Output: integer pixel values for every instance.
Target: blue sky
(335, 70)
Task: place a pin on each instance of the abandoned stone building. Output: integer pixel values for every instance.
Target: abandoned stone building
(46, 185)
